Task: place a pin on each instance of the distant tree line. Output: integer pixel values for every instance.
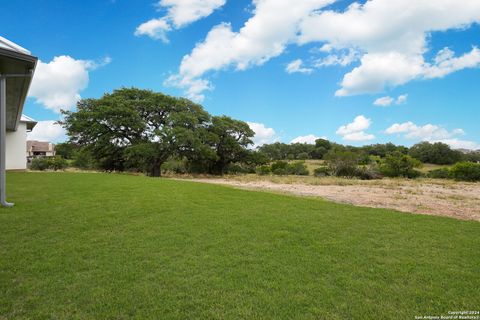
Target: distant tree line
(426, 152)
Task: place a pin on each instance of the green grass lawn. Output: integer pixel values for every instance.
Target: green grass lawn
(106, 246)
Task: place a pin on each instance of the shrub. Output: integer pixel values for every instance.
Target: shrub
(284, 168)
(83, 159)
(263, 170)
(442, 173)
(57, 163)
(40, 164)
(397, 164)
(44, 163)
(235, 168)
(298, 169)
(303, 156)
(342, 163)
(279, 168)
(466, 171)
(321, 172)
(368, 173)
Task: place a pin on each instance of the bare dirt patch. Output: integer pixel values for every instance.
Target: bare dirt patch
(433, 197)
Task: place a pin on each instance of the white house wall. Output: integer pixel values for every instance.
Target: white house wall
(16, 146)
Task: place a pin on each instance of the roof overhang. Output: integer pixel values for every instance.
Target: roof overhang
(15, 61)
(30, 123)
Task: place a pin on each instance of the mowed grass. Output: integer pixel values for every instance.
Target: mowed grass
(106, 246)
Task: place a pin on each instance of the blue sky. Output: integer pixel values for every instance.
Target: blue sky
(357, 73)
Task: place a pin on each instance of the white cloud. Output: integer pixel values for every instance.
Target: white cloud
(194, 87)
(355, 131)
(433, 133)
(446, 63)
(388, 101)
(384, 101)
(326, 48)
(389, 46)
(296, 67)
(340, 59)
(310, 139)
(460, 144)
(180, 13)
(47, 131)
(380, 70)
(273, 26)
(155, 28)
(263, 134)
(393, 44)
(57, 84)
(428, 132)
(359, 123)
(402, 99)
(358, 136)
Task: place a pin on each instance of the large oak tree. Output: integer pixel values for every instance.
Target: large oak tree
(137, 128)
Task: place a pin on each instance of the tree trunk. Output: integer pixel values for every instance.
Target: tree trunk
(156, 170)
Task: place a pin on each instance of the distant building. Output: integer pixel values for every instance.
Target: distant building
(40, 149)
(16, 143)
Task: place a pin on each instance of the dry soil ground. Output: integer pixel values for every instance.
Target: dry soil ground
(425, 196)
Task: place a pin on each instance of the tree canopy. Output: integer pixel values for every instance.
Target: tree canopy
(141, 129)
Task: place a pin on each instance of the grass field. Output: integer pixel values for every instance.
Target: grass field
(100, 246)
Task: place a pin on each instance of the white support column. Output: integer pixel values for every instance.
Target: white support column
(3, 133)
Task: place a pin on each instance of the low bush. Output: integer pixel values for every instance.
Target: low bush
(40, 164)
(53, 163)
(57, 163)
(321, 172)
(368, 173)
(303, 156)
(298, 169)
(83, 159)
(236, 168)
(397, 164)
(279, 168)
(263, 170)
(442, 173)
(282, 168)
(342, 163)
(466, 171)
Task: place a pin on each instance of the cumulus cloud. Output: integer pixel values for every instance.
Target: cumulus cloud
(355, 131)
(446, 63)
(263, 134)
(428, 132)
(265, 35)
(432, 133)
(339, 59)
(58, 83)
(180, 13)
(296, 66)
(393, 44)
(380, 70)
(310, 139)
(460, 144)
(155, 28)
(48, 130)
(390, 48)
(388, 101)
(194, 87)
(384, 101)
